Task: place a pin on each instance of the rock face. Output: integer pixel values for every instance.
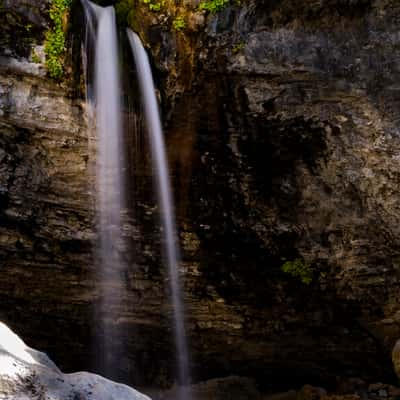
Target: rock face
(396, 358)
(230, 387)
(29, 374)
(283, 134)
(45, 221)
(23, 23)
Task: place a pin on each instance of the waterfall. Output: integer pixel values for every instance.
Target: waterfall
(165, 201)
(109, 166)
(103, 92)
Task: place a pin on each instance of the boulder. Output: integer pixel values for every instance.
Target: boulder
(29, 374)
(396, 358)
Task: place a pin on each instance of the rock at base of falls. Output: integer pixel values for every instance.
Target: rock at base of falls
(396, 358)
(29, 374)
(229, 387)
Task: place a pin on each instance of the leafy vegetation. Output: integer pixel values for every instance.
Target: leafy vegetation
(35, 58)
(299, 269)
(179, 23)
(154, 5)
(55, 39)
(214, 6)
(125, 12)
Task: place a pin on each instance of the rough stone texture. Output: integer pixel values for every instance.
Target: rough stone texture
(23, 23)
(45, 222)
(282, 127)
(239, 388)
(284, 141)
(230, 387)
(396, 358)
(27, 374)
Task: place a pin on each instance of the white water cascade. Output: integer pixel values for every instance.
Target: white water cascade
(104, 99)
(165, 201)
(105, 118)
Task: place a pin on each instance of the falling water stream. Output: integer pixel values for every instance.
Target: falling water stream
(109, 167)
(165, 201)
(103, 97)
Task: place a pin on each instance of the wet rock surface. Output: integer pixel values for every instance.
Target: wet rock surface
(240, 388)
(286, 117)
(282, 127)
(230, 387)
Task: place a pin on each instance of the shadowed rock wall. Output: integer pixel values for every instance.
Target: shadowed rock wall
(282, 126)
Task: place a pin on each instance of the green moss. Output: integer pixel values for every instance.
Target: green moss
(299, 269)
(55, 39)
(214, 6)
(125, 12)
(154, 5)
(179, 23)
(35, 58)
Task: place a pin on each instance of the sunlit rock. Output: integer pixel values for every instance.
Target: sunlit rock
(396, 358)
(26, 374)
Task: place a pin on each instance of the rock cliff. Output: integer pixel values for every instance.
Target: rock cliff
(282, 125)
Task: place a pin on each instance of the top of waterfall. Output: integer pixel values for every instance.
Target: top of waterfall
(134, 36)
(95, 8)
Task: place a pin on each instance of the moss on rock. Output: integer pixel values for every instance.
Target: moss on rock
(55, 38)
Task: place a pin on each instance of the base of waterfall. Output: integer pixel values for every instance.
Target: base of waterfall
(241, 388)
(27, 374)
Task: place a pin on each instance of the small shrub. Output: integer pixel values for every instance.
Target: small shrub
(299, 269)
(179, 23)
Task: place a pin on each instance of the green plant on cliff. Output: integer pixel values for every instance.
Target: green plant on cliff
(125, 12)
(214, 6)
(179, 23)
(35, 57)
(55, 38)
(299, 269)
(154, 5)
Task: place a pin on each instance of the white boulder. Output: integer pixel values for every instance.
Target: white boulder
(27, 374)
